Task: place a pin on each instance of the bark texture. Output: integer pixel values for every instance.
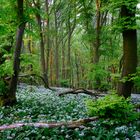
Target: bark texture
(129, 50)
(42, 48)
(10, 97)
(96, 94)
(72, 124)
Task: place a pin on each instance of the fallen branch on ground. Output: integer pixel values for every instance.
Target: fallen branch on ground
(78, 91)
(72, 124)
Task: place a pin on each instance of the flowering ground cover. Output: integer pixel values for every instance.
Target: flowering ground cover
(37, 104)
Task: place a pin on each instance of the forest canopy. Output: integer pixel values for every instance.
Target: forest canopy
(84, 43)
(69, 69)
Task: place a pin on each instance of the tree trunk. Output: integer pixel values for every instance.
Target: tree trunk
(129, 51)
(63, 61)
(51, 63)
(11, 96)
(77, 70)
(48, 36)
(42, 49)
(71, 27)
(69, 56)
(56, 51)
(97, 41)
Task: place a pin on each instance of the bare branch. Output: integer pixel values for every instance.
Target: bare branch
(71, 124)
(81, 90)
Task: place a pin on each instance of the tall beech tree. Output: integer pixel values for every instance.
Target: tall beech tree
(96, 43)
(48, 35)
(10, 97)
(129, 35)
(56, 24)
(42, 44)
(71, 24)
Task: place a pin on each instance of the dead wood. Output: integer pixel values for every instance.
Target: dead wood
(96, 94)
(71, 124)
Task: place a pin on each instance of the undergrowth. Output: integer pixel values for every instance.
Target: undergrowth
(41, 105)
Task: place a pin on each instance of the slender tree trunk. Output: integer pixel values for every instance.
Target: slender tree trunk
(71, 28)
(51, 60)
(96, 45)
(16, 65)
(42, 49)
(69, 44)
(11, 96)
(48, 36)
(56, 52)
(77, 70)
(129, 51)
(69, 54)
(63, 61)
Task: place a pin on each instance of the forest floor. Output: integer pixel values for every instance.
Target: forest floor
(37, 104)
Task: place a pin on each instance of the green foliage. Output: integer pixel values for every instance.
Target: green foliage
(43, 105)
(113, 107)
(6, 68)
(136, 78)
(2, 87)
(98, 71)
(63, 133)
(64, 83)
(29, 63)
(5, 71)
(104, 86)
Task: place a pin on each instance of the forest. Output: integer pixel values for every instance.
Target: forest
(69, 70)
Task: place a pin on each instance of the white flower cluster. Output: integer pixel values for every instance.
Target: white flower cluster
(122, 129)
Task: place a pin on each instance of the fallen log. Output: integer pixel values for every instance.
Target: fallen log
(70, 124)
(96, 94)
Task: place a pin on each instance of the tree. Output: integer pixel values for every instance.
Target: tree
(129, 34)
(42, 43)
(96, 44)
(71, 23)
(10, 97)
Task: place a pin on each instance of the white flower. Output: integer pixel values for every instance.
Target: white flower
(81, 134)
(26, 138)
(43, 137)
(67, 136)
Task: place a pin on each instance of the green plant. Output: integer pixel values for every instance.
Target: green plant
(6, 68)
(104, 86)
(113, 107)
(136, 79)
(43, 105)
(64, 83)
(2, 87)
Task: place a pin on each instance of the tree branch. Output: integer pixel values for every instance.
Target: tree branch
(35, 75)
(81, 90)
(71, 124)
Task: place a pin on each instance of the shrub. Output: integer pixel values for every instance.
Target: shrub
(2, 87)
(113, 107)
(64, 83)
